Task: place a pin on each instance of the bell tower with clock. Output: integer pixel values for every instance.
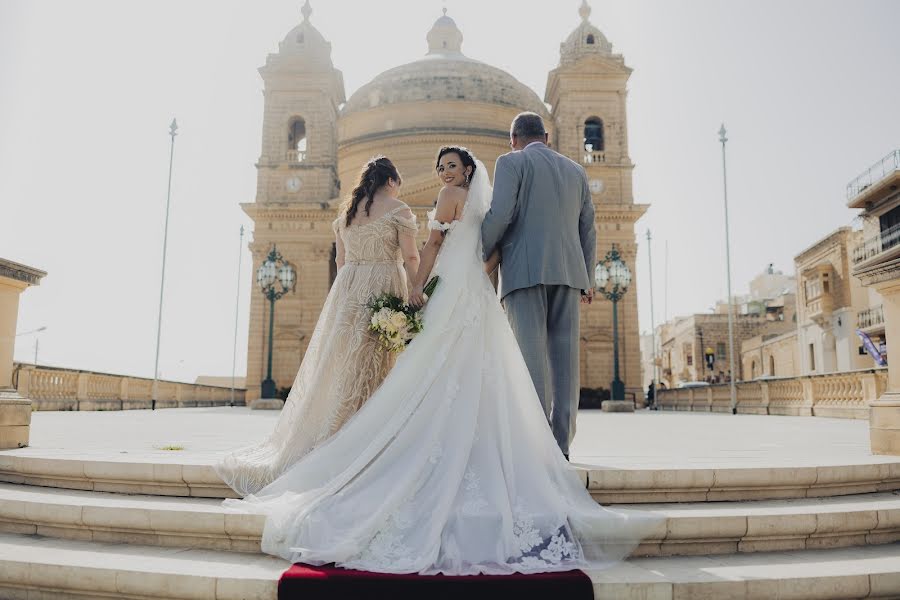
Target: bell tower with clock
(302, 94)
(587, 93)
(297, 186)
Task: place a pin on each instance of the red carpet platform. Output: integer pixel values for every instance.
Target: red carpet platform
(302, 582)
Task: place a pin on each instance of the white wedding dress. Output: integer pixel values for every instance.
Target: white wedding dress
(450, 467)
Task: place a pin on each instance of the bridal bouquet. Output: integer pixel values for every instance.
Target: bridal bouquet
(395, 321)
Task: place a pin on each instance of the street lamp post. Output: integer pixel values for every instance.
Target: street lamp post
(653, 324)
(37, 340)
(173, 131)
(613, 278)
(275, 278)
(731, 379)
(237, 303)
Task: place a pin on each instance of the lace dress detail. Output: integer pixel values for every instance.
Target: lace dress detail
(344, 362)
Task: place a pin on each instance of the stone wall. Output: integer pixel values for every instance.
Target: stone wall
(771, 355)
(51, 388)
(840, 395)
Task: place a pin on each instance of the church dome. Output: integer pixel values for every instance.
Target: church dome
(445, 73)
(410, 111)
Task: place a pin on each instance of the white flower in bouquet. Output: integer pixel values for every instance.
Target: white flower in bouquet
(398, 320)
(381, 318)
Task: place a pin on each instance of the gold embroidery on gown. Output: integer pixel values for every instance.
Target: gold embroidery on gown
(343, 364)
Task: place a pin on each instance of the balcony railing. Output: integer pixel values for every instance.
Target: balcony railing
(842, 395)
(53, 388)
(591, 157)
(875, 245)
(295, 156)
(871, 317)
(874, 174)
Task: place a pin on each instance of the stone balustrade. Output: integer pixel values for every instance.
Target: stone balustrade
(845, 395)
(51, 388)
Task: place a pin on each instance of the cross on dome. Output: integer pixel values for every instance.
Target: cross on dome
(584, 10)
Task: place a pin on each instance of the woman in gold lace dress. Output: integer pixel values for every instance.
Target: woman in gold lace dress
(344, 363)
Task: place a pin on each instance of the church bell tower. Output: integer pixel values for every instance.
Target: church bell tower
(587, 92)
(297, 187)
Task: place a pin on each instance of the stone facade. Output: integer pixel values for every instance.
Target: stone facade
(876, 263)
(770, 355)
(687, 340)
(315, 142)
(829, 302)
(15, 411)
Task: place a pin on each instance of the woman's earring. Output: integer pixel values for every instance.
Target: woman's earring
(467, 179)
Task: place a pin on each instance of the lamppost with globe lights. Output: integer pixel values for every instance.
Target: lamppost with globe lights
(275, 278)
(613, 278)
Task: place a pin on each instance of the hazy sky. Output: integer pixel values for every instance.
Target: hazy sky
(807, 89)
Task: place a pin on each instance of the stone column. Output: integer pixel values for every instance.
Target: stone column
(884, 413)
(15, 411)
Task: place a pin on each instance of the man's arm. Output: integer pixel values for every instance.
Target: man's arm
(503, 205)
(588, 232)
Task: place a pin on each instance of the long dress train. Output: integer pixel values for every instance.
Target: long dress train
(450, 467)
(323, 397)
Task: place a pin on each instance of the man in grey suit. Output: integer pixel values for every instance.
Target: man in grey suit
(542, 221)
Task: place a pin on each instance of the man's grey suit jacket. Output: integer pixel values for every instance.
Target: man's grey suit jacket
(542, 219)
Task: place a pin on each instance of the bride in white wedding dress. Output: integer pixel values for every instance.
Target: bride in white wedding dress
(450, 467)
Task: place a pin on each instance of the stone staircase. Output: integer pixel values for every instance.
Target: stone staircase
(81, 527)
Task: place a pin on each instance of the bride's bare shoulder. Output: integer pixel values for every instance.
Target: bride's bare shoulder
(450, 200)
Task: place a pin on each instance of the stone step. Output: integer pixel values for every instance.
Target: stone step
(688, 529)
(717, 484)
(156, 478)
(772, 525)
(607, 485)
(836, 574)
(43, 568)
(120, 518)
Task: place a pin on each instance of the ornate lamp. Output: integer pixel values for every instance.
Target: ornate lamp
(275, 278)
(613, 278)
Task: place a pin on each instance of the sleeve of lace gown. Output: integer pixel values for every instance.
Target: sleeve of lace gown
(405, 221)
(336, 224)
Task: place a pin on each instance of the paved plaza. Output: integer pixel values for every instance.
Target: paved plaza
(640, 440)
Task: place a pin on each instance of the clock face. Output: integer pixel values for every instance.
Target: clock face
(596, 186)
(293, 184)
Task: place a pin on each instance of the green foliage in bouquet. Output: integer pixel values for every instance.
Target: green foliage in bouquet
(395, 321)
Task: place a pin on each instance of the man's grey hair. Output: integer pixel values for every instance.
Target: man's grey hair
(528, 125)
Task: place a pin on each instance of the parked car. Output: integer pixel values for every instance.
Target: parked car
(693, 384)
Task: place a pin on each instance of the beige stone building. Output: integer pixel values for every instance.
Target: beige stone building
(15, 410)
(315, 140)
(770, 355)
(831, 302)
(687, 342)
(876, 263)
(695, 348)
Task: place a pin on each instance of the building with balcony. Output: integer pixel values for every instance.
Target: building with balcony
(830, 302)
(876, 264)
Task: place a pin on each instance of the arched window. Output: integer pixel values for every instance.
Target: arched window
(590, 38)
(593, 135)
(297, 140)
(300, 38)
(771, 365)
(753, 369)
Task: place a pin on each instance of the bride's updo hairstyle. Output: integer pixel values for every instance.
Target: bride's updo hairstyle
(374, 175)
(467, 158)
